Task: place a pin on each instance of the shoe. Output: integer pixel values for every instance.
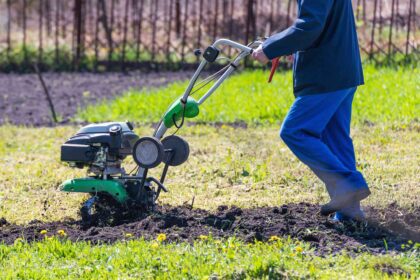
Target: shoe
(356, 215)
(344, 201)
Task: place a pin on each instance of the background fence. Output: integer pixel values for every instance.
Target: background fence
(123, 34)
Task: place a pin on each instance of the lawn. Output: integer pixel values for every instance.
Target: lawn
(390, 97)
(247, 166)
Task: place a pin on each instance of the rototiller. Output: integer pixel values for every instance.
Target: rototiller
(102, 147)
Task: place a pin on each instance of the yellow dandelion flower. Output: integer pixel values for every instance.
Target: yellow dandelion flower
(299, 249)
(203, 237)
(61, 232)
(155, 245)
(161, 237)
(274, 238)
(128, 235)
(44, 231)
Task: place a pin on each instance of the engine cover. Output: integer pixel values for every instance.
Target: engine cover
(101, 144)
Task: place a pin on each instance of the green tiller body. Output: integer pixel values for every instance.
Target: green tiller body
(103, 147)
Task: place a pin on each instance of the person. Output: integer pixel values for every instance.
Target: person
(327, 70)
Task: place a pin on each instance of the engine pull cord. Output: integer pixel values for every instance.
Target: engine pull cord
(200, 85)
(178, 126)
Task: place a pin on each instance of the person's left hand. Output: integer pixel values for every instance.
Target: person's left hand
(259, 55)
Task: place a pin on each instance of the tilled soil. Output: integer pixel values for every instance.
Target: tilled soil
(23, 102)
(301, 221)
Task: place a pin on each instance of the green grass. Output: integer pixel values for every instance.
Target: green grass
(227, 166)
(209, 259)
(390, 96)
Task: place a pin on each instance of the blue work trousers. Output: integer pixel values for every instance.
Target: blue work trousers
(317, 130)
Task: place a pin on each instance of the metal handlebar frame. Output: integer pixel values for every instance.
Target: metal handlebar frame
(245, 51)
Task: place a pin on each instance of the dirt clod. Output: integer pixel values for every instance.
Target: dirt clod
(301, 221)
(392, 270)
(3, 222)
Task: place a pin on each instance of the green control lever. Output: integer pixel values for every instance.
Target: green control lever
(179, 109)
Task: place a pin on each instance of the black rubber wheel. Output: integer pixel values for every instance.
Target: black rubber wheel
(148, 152)
(177, 150)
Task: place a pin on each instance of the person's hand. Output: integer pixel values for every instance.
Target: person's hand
(259, 55)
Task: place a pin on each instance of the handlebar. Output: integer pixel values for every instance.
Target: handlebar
(245, 51)
(215, 48)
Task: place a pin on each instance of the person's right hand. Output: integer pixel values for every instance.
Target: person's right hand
(259, 55)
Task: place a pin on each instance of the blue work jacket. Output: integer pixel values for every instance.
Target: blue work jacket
(324, 41)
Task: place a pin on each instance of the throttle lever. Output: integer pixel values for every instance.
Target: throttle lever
(274, 65)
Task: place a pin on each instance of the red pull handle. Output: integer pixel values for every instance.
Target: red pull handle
(274, 65)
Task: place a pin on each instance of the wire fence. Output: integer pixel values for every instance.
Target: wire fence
(127, 34)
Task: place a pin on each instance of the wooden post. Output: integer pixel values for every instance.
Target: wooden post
(127, 4)
(372, 38)
(78, 30)
(225, 18)
(364, 11)
(48, 16)
(153, 15)
(168, 42)
(107, 28)
(254, 21)
(134, 18)
(63, 20)
(40, 26)
(380, 17)
(184, 33)
(111, 29)
(398, 15)
(289, 6)
(200, 22)
(140, 26)
(96, 44)
(390, 29)
(271, 18)
(249, 19)
(25, 51)
(215, 17)
(178, 17)
(407, 42)
(57, 30)
(231, 20)
(9, 22)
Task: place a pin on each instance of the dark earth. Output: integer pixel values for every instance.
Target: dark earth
(23, 101)
(399, 228)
